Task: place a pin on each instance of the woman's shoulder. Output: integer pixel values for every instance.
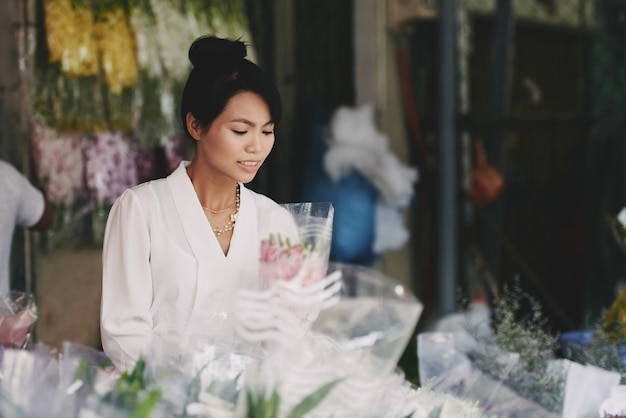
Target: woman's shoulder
(260, 200)
(269, 212)
(143, 192)
(265, 205)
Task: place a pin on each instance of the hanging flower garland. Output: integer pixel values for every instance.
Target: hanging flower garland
(116, 46)
(69, 29)
(174, 47)
(151, 122)
(60, 164)
(110, 166)
(109, 76)
(60, 169)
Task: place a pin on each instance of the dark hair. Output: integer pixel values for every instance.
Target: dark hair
(220, 71)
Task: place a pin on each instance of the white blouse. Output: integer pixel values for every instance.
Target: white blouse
(163, 268)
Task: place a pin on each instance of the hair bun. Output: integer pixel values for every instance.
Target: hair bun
(205, 50)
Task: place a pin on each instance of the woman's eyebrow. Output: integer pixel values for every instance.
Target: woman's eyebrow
(250, 123)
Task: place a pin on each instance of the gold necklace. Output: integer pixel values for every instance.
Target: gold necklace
(225, 209)
(230, 225)
(217, 211)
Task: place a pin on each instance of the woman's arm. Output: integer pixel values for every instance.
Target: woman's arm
(125, 320)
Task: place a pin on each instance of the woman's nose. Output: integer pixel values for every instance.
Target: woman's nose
(255, 143)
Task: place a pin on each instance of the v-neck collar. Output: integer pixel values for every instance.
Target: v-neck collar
(214, 269)
(197, 229)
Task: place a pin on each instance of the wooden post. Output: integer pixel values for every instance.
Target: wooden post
(284, 67)
(503, 35)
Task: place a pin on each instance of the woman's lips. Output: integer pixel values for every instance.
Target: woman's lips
(250, 166)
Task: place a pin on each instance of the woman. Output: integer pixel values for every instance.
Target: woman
(177, 249)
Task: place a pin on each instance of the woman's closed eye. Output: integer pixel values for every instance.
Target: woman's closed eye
(241, 133)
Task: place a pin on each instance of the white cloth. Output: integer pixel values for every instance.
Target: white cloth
(355, 144)
(163, 267)
(21, 205)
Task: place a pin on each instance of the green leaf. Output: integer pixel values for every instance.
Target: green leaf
(436, 412)
(272, 406)
(250, 406)
(147, 405)
(81, 370)
(254, 407)
(311, 401)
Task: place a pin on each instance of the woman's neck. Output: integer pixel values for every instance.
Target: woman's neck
(213, 195)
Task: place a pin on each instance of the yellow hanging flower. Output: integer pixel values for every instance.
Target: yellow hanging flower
(70, 37)
(117, 49)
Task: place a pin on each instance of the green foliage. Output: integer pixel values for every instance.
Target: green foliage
(130, 393)
(520, 327)
(523, 332)
(604, 350)
(312, 400)
(259, 407)
(436, 413)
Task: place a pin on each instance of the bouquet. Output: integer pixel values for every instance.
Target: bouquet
(344, 362)
(302, 258)
(512, 370)
(292, 267)
(18, 314)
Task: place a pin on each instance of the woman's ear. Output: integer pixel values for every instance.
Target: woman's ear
(193, 126)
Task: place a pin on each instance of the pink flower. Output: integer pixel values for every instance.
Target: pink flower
(145, 164)
(268, 252)
(60, 165)
(282, 260)
(111, 168)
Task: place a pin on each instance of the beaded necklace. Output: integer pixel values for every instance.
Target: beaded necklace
(230, 224)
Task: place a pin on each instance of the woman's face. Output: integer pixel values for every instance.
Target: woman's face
(239, 139)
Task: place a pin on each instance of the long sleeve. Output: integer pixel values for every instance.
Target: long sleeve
(127, 290)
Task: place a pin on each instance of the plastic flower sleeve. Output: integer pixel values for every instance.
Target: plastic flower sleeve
(347, 359)
(202, 357)
(586, 387)
(615, 403)
(29, 384)
(18, 313)
(292, 268)
(445, 368)
(84, 369)
(374, 315)
(302, 259)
